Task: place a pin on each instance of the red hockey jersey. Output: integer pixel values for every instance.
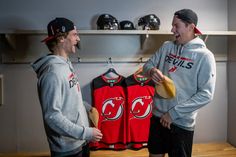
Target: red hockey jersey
(109, 98)
(140, 92)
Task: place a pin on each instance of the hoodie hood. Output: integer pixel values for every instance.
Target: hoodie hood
(41, 65)
(195, 43)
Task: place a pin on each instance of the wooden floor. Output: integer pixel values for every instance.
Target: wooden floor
(199, 150)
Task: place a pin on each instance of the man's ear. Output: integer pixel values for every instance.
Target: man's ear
(191, 26)
(61, 39)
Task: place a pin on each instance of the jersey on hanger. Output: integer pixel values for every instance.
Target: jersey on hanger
(110, 100)
(140, 92)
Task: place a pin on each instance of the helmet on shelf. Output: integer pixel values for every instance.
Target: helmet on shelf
(126, 25)
(107, 22)
(150, 21)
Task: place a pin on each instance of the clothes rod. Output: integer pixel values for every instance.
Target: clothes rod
(111, 61)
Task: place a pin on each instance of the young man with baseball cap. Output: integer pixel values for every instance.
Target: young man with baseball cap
(191, 66)
(64, 114)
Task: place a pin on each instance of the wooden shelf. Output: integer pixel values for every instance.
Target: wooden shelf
(128, 32)
(120, 32)
(219, 33)
(154, 32)
(107, 43)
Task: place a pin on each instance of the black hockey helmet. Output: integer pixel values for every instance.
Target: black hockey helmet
(107, 22)
(150, 21)
(126, 25)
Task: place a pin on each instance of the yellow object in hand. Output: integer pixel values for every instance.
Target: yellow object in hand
(94, 116)
(166, 88)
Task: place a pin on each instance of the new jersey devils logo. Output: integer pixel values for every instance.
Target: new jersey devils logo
(73, 81)
(112, 108)
(141, 107)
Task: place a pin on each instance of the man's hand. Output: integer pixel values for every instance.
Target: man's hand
(166, 120)
(97, 135)
(156, 75)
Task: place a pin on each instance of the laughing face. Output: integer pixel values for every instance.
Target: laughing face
(71, 41)
(183, 32)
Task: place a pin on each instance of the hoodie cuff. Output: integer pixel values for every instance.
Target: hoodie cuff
(173, 114)
(88, 133)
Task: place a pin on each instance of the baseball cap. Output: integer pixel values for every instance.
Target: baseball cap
(188, 16)
(57, 26)
(166, 88)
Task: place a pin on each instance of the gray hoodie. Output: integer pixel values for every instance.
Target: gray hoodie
(65, 118)
(193, 70)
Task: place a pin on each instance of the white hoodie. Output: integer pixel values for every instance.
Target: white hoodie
(192, 68)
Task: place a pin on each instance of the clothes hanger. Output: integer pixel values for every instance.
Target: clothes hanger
(111, 70)
(139, 71)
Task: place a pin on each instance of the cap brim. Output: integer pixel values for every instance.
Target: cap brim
(197, 31)
(47, 39)
(166, 89)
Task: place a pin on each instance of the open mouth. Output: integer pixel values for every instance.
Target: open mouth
(177, 36)
(77, 45)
